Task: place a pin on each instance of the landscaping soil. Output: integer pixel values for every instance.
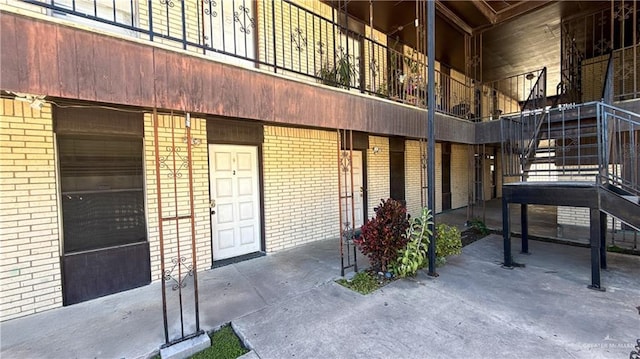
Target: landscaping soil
(471, 235)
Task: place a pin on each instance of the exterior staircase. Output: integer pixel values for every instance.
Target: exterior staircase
(583, 155)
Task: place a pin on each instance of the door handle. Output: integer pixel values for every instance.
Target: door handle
(213, 212)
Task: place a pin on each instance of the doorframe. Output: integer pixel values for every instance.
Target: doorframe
(261, 252)
(231, 131)
(398, 145)
(365, 189)
(361, 143)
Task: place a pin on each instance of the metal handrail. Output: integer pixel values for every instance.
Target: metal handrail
(607, 86)
(619, 147)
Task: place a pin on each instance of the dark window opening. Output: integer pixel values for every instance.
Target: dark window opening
(101, 179)
(396, 170)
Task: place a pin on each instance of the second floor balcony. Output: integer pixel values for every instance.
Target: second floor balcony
(312, 41)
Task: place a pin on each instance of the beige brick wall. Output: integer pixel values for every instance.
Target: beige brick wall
(378, 179)
(200, 188)
(300, 186)
(30, 278)
(573, 216)
(460, 173)
(412, 165)
(438, 177)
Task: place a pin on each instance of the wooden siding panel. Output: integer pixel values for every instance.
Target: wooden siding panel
(160, 70)
(26, 43)
(9, 71)
(85, 74)
(212, 89)
(67, 58)
(108, 69)
(47, 53)
(138, 80)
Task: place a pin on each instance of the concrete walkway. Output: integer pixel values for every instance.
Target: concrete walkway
(287, 305)
(543, 223)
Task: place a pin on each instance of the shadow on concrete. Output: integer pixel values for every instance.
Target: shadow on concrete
(543, 223)
(287, 304)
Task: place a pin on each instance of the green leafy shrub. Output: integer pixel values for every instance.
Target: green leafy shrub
(382, 236)
(412, 257)
(448, 242)
(479, 226)
(341, 73)
(362, 282)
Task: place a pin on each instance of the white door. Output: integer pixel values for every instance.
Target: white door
(229, 27)
(235, 205)
(357, 192)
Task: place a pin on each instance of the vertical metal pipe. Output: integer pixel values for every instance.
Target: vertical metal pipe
(594, 221)
(194, 265)
(291, 30)
(524, 228)
(431, 135)
(603, 240)
(150, 11)
(340, 205)
(353, 195)
(175, 203)
(184, 26)
(204, 46)
(506, 233)
(160, 225)
(273, 35)
(423, 158)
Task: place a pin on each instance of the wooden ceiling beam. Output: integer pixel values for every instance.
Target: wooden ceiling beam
(518, 9)
(485, 10)
(453, 18)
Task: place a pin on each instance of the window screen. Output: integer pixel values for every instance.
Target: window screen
(102, 191)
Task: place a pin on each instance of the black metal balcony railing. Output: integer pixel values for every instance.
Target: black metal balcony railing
(321, 44)
(318, 43)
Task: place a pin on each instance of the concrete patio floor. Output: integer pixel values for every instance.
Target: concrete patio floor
(543, 223)
(287, 305)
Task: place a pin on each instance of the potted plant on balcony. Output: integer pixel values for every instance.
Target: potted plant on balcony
(341, 73)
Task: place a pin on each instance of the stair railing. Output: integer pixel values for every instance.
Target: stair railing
(519, 133)
(607, 86)
(619, 148)
(533, 115)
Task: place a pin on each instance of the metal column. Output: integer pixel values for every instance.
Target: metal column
(431, 138)
(170, 163)
(346, 202)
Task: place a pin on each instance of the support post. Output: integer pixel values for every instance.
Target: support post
(524, 224)
(431, 138)
(506, 234)
(594, 225)
(603, 240)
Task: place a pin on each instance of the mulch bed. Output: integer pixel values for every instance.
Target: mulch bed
(471, 235)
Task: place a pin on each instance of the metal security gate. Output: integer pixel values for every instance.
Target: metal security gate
(346, 196)
(176, 227)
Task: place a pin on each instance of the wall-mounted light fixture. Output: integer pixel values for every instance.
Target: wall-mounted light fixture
(35, 101)
(376, 150)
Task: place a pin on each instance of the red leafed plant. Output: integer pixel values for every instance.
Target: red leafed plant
(382, 236)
